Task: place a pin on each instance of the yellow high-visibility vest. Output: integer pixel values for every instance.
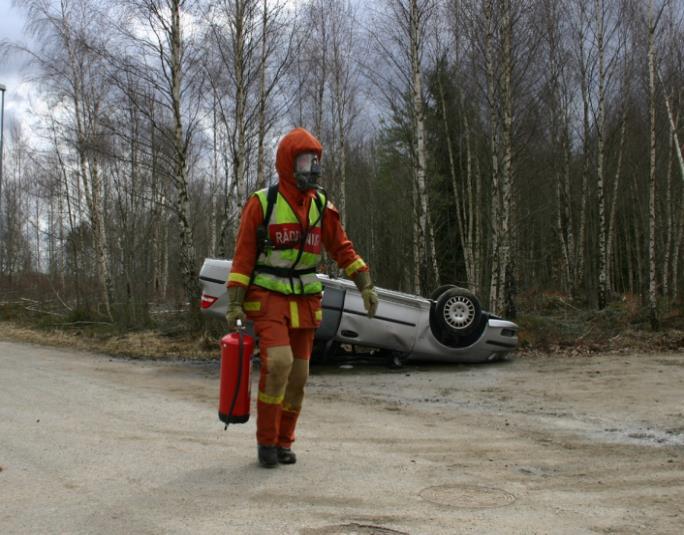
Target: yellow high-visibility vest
(275, 266)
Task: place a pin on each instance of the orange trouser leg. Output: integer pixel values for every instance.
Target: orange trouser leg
(292, 403)
(276, 363)
(301, 341)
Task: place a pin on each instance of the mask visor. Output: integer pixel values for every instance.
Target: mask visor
(307, 170)
(307, 163)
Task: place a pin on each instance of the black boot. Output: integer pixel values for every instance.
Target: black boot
(268, 456)
(286, 456)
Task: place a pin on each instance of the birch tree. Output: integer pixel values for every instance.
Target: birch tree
(234, 30)
(652, 277)
(344, 81)
(599, 7)
(276, 48)
(74, 74)
(167, 61)
(559, 97)
(402, 46)
(586, 61)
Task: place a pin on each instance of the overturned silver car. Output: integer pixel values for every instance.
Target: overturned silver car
(448, 327)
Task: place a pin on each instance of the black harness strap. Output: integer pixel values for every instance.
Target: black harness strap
(285, 271)
(302, 244)
(263, 239)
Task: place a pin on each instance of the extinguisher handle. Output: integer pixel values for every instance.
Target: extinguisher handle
(239, 324)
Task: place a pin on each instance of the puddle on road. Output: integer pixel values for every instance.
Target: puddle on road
(352, 529)
(467, 496)
(640, 436)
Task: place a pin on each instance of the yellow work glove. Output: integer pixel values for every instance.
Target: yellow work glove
(236, 295)
(370, 299)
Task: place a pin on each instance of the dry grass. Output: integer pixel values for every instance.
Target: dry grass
(148, 344)
(551, 324)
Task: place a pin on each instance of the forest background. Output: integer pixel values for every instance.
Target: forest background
(529, 150)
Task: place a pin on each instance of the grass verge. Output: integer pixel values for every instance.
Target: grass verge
(550, 326)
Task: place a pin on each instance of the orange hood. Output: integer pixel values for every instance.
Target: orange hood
(292, 145)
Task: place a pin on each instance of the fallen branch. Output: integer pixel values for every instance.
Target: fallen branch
(32, 309)
(61, 301)
(591, 328)
(569, 305)
(86, 323)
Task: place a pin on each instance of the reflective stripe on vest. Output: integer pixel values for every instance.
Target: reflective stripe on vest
(284, 232)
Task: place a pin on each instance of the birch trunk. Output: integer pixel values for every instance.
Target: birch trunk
(261, 112)
(673, 130)
(240, 66)
(628, 253)
(679, 238)
(342, 39)
(613, 202)
(471, 207)
(600, 127)
(559, 137)
(322, 72)
(187, 257)
(495, 285)
(61, 263)
(571, 245)
(458, 195)
(426, 236)
(89, 172)
(164, 254)
(156, 213)
(71, 216)
(637, 225)
(342, 198)
(480, 254)
(100, 241)
(417, 250)
(508, 203)
(652, 280)
(586, 134)
(669, 223)
(214, 189)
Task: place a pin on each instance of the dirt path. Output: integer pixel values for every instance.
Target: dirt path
(90, 444)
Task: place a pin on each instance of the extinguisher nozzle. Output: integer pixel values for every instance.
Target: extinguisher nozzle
(225, 427)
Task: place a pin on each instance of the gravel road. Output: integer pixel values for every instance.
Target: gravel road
(92, 444)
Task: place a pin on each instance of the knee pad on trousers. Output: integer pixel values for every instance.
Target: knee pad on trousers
(294, 394)
(278, 365)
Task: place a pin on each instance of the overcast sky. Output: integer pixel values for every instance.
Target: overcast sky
(12, 75)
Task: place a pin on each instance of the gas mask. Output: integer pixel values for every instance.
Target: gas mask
(307, 171)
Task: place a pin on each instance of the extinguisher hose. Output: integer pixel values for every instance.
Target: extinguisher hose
(238, 380)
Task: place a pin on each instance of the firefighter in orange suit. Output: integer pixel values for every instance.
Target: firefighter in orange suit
(273, 283)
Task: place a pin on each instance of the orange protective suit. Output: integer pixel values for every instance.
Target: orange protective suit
(285, 324)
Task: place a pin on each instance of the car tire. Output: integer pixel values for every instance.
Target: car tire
(457, 312)
(441, 289)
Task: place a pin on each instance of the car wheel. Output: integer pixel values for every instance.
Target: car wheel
(457, 312)
(439, 291)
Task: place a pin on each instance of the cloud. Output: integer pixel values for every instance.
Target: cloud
(21, 95)
(12, 20)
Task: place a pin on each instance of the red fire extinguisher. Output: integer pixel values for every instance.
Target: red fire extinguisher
(234, 389)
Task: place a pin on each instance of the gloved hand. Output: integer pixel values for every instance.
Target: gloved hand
(370, 298)
(236, 295)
